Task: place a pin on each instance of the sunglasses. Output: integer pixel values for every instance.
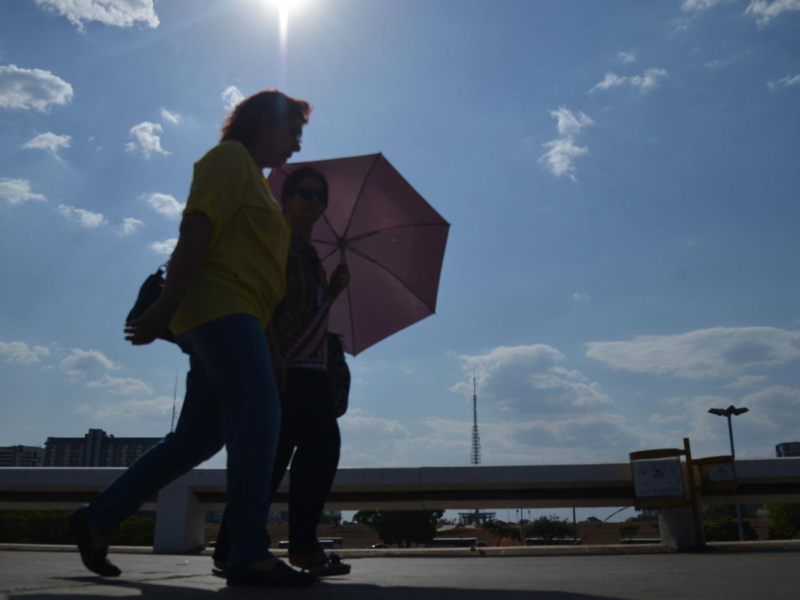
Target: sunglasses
(309, 194)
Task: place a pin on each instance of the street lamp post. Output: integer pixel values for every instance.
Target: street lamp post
(729, 412)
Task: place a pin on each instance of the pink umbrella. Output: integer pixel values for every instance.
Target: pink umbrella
(392, 240)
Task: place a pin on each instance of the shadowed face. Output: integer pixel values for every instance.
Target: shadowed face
(307, 203)
(278, 143)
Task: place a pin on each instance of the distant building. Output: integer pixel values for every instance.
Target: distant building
(21, 456)
(95, 449)
(475, 517)
(788, 449)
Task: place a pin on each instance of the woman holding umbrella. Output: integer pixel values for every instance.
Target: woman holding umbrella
(304, 356)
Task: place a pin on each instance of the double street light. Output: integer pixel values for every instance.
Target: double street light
(729, 412)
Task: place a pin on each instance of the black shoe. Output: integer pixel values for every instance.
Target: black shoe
(94, 560)
(280, 575)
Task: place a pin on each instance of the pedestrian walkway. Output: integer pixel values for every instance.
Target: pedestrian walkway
(710, 576)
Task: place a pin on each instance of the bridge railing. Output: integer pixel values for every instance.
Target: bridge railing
(182, 504)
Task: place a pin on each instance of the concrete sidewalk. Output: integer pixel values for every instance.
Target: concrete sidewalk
(710, 576)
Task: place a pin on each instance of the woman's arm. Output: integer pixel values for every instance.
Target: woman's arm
(195, 235)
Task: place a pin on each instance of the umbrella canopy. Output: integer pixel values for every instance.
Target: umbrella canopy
(392, 240)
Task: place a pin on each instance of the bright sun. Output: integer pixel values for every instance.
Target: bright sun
(284, 7)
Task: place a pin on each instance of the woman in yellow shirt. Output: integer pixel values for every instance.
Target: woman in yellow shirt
(225, 278)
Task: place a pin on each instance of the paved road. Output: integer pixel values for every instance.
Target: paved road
(746, 576)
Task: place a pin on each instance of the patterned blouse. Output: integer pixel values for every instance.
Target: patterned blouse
(301, 319)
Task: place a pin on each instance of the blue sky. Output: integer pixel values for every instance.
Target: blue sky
(621, 178)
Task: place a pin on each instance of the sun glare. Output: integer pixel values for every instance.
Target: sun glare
(284, 7)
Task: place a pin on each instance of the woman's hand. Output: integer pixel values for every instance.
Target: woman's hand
(146, 329)
(339, 280)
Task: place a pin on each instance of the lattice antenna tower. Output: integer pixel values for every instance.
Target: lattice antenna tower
(476, 438)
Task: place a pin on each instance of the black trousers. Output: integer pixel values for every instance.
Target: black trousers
(310, 440)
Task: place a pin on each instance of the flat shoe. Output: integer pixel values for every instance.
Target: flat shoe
(280, 575)
(331, 566)
(94, 560)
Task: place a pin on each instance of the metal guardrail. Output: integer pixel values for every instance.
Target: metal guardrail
(184, 502)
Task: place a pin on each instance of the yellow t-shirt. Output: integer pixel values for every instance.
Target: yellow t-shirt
(243, 270)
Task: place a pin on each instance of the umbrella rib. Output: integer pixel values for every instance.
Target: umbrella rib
(327, 256)
(352, 321)
(358, 238)
(358, 197)
(403, 283)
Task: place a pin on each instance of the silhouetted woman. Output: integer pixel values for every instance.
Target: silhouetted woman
(225, 278)
(305, 353)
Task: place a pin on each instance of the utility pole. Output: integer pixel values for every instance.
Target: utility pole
(729, 412)
(174, 402)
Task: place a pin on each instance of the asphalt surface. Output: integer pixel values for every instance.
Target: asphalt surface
(710, 575)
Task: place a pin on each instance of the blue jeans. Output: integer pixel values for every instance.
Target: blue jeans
(231, 400)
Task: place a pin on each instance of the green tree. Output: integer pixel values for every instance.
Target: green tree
(549, 529)
(34, 527)
(716, 512)
(135, 531)
(52, 527)
(502, 530)
(628, 530)
(784, 521)
(401, 527)
(726, 529)
(722, 525)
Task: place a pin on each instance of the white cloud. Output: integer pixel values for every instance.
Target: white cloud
(787, 81)
(560, 158)
(174, 118)
(130, 226)
(32, 89)
(764, 10)
(165, 247)
(80, 361)
(670, 420)
(626, 57)
(18, 191)
(746, 381)
(702, 354)
(118, 13)
(717, 64)
(81, 216)
(357, 422)
(581, 297)
(20, 353)
(645, 82)
(135, 409)
(775, 407)
(48, 141)
(529, 379)
(698, 5)
(231, 97)
(609, 81)
(649, 79)
(146, 139)
(166, 205)
(772, 419)
(569, 123)
(119, 385)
